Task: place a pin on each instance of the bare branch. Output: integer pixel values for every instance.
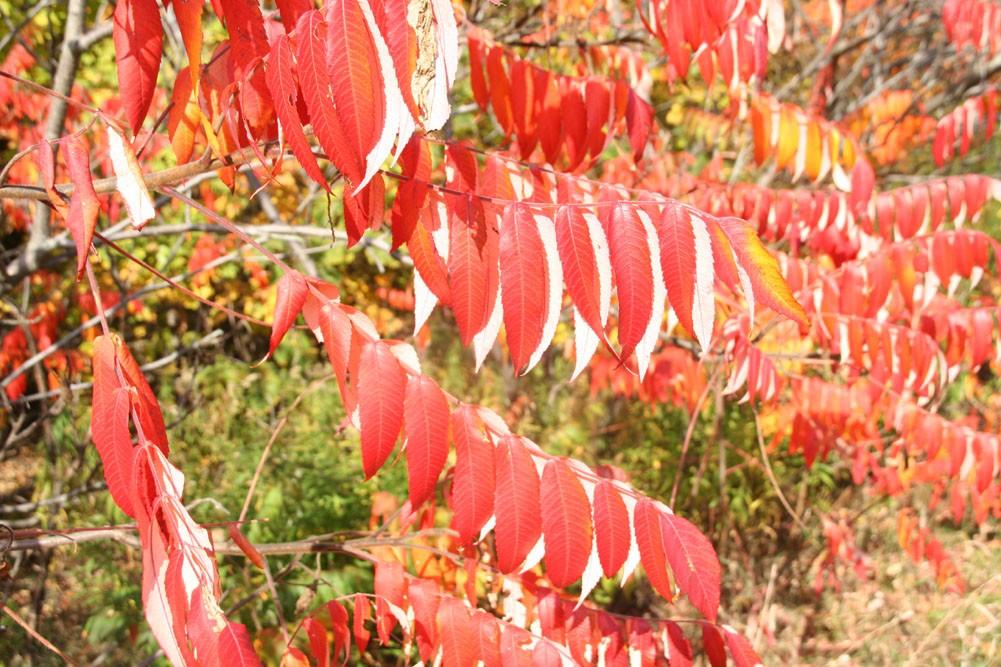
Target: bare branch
(62, 83)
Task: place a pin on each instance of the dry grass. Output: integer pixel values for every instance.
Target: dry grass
(898, 616)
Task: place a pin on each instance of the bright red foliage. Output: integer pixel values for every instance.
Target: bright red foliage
(869, 288)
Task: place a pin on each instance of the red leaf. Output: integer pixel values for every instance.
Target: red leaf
(704, 297)
(403, 47)
(488, 636)
(284, 89)
(632, 265)
(426, 415)
(463, 161)
(584, 258)
(293, 657)
(476, 76)
(724, 263)
(356, 80)
(514, 646)
(981, 336)
(175, 594)
(472, 248)
(291, 11)
(256, 110)
(45, 159)
(581, 631)
(767, 283)
(314, 79)
(235, 647)
(427, 260)
(863, 181)
(364, 209)
(713, 645)
(639, 121)
(182, 120)
(679, 648)
(247, 38)
(545, 654)
(523, 283)
(424, 600)
(523, 106)
(458, 634)
(500, 96)
(956, 188)
(390, 587)
(363, 612)
(650, 539)
(611, 527)
(473, 482)
(382, 384)
(201, 631)
(138, 36)
(945, 139)
(189, 20)
(317, 641)
(144, 400)
(290, 297)
(411, 195)
(84, 205)
(339, 628)
(694, 563)
(549, 113)
(516, 504)
(574, 123)
(566, 524)
(109, 424)
(337, 341)
(599, 109)
(391, 582)
(17, 387)
(740, 649)
(677, 260)
(978, 189)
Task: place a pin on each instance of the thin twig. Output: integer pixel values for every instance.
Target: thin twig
(919, 652)
(34, 633)
(693, 419)
(271, 441)
(771, 475)
(211, 338)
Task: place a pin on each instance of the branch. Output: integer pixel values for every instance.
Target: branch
(9, 38)
(62, 498)
(209, 339)
(42, 355)
(34, 633)
(627, 38)
(30, 259)
(314, 544)
(958, 91)
(62, 84)
(264, 230)
(170, 176)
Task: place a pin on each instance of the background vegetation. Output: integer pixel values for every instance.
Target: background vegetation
(222, 409)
